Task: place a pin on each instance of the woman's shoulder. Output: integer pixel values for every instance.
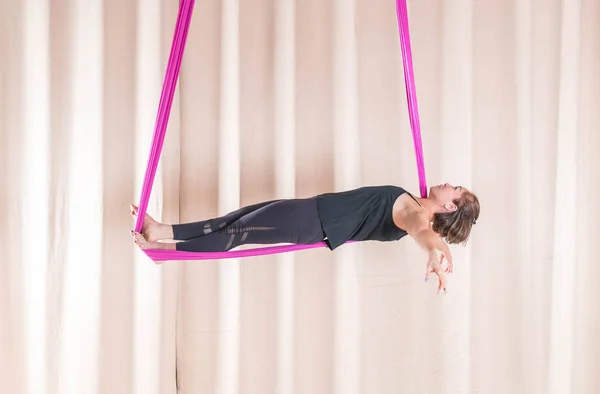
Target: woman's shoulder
(409, 214)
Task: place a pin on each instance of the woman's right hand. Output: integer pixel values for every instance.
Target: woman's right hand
(434, 266)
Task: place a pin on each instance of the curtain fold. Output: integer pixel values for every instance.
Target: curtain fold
(281, 99)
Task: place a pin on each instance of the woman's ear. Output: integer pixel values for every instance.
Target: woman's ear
(450, 207)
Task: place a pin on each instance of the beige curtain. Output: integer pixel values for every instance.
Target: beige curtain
(279, 99)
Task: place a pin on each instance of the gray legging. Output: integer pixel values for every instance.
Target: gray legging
(294, 221)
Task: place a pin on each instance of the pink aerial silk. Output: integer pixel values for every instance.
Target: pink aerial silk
(411, 91)
(164, 109)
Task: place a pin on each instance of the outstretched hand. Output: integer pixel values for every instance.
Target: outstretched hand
(434, 266)
(446, 255)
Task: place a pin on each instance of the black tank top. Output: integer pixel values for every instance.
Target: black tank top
(363, 214)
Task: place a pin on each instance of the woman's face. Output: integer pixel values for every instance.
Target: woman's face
(445, 194)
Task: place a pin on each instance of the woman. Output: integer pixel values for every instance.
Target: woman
(372, 213)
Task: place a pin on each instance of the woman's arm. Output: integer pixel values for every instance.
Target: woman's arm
(431, 241)
(416, 225)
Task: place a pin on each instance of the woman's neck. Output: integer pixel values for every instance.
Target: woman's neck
(431, 207)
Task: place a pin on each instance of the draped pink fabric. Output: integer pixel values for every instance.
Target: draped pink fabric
(164, 109)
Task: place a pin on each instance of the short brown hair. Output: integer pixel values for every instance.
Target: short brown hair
(456, 226)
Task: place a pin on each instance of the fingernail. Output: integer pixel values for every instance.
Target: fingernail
(425, 279)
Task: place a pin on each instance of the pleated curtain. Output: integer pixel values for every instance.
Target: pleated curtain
(281, 99)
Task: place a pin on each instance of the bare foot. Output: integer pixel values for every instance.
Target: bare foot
(151, 229)
(141, 241)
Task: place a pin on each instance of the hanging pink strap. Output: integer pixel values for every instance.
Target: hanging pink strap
(182, 26)
(411, 91)
(164, 109)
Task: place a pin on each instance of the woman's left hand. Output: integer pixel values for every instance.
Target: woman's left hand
(448, 257)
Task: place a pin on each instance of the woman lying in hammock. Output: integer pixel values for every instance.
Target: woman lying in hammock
(372, 213)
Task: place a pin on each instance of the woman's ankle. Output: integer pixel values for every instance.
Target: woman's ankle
(166, 232)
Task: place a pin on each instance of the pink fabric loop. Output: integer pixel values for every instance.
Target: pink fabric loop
(164, 110)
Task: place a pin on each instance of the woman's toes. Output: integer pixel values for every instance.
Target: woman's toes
(138, 238)
(150, 227)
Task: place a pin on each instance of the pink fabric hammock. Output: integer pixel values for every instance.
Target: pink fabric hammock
(164, 109)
